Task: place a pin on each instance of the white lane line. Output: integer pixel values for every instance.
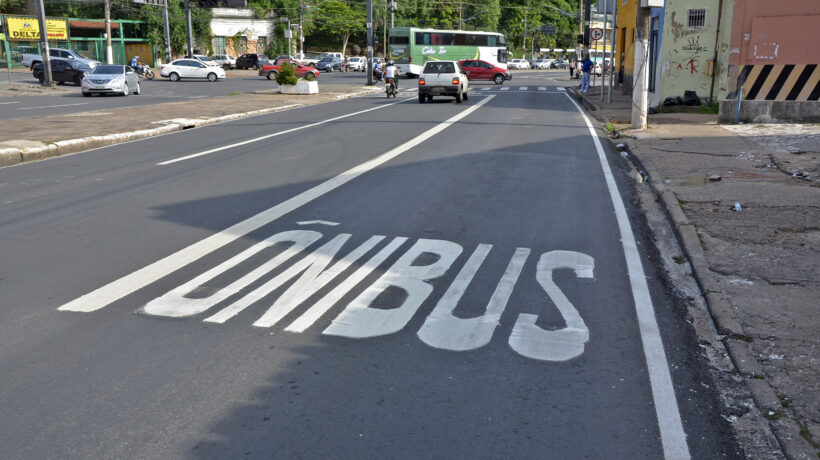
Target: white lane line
(523, 88)
(51, 106)
(4, 103)
(562, 89)
(128, 284)
(317, 222)
(257, 139)
(505, 88)
(673, 437)
(198, 97)
(486, 89)
(542, 88)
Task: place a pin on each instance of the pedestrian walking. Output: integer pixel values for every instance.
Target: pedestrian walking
(586, 68)
(572, 68)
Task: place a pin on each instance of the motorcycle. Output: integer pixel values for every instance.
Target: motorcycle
(145, 72)
(377, 74)
(390, 88)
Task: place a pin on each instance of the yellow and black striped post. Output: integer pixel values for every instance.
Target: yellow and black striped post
(782, 82)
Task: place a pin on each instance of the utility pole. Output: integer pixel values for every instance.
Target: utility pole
(167, 31)
(41, 15)
(392, 10)
(190, 30)
(612, 64)
(369, 42)
(524, 37)
(301, 34)
(109, 51)
(587, 15)
(603, 60)
(640, 95)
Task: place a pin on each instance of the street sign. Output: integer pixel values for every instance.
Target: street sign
(150, 2)
(548, 30)
(596, 34)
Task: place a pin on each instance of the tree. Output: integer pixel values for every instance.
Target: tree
(338, 18)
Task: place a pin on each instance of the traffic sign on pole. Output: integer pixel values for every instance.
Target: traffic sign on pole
(596, 34)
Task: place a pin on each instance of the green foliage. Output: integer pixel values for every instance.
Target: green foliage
(709, 109)
(336, 17)
(287, 74)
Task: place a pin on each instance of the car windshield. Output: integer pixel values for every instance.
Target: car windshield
(327, 59)
(439, 67)
(204, 58)
(78, 54)
(80, 66)
(108, 69)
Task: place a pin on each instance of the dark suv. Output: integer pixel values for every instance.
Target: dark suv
(63, 71)
(251, 61)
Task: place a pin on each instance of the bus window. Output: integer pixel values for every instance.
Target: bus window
(492, 40)
(502, 55)
(399, 40)
(434, 38)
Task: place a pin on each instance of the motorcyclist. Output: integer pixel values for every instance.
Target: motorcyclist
(376, 71)
(134, 61)
(391, 72)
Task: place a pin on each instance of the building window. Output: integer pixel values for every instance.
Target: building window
(261, 44)
(696, 19)
(219, 45)
(242, 46)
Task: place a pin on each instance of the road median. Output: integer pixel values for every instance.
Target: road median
(33, 139)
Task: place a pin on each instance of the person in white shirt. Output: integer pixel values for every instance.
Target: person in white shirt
(392, 72)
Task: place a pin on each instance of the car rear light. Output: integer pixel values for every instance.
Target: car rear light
(421, 81)
(411, 59)
(456, 81)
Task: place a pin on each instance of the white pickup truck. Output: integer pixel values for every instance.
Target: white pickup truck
(443, 78)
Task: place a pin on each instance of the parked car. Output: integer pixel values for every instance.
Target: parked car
(329, 64)
(111, 79)
(63, 71)
(225, 60)
(443, 78)
(251, 61)
(558, 64)
(483, 70)
(29, 60)
(518, 64)
(309, 59)
(542, 64)
(190, 68)
(358, 63)
(203, 59)
(302, 71)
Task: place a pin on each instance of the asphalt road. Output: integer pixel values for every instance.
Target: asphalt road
(154, 91)
(383, 279)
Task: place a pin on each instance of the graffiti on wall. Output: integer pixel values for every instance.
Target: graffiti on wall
(693, 50)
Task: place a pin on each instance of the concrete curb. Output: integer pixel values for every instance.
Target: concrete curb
(13, 156)
(736, 341)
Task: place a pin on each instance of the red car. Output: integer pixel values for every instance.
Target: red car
(302, 71)
(483, 70)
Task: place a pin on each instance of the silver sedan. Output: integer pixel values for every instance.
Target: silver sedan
(117, 79)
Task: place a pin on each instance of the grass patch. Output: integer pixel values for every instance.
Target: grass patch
(609, 127)
(711, 109)
(771, 415)
(679, 259)
(805, 434)
(234, 93)
(702, 244)
(785, 401)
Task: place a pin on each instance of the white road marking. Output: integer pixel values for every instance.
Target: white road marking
(673, 437)
(554, 345)
(562, 89)
(523, 88)
(250, 141)
(4, 103)
(443, 329)
(317, 222)
(486, 89)
(505, 88)
(542, 88)
(51, 106)
(361, 320)
(138, 279)
(197, 97)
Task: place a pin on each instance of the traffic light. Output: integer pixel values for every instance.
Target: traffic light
(580, 38)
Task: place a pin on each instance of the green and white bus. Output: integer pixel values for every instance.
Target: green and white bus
(411, 47)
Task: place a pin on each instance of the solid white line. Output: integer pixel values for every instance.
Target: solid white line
(128, 284)
(4, 103)
(257, 139)
(51, 106)
(312, 222)
(198, 97)
(673, 437)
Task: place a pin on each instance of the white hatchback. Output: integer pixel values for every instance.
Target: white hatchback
(190, 68)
